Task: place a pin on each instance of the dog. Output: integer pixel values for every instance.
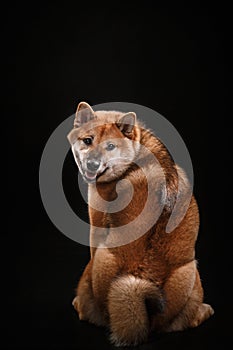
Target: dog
(135, 284)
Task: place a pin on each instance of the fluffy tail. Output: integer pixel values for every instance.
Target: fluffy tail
(131, 301)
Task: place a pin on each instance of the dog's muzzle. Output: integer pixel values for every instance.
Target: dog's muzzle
(93, 165)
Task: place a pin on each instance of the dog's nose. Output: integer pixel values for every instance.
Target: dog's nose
(93, 164)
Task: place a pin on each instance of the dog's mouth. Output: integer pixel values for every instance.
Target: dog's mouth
(92, 177)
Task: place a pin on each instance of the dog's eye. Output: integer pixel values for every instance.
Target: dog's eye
(110, 147)
(87, 141)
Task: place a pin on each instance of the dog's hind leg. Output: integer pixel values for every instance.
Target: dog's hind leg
(195, 311)
(177, 290)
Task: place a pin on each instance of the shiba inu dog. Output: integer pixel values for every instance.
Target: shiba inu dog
(135, 284)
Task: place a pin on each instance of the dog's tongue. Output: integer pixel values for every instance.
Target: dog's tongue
(90, 176)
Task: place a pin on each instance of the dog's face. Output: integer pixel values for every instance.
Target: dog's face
(104, 144)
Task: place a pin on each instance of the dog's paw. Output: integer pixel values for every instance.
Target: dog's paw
(76, 305)
(203, 313)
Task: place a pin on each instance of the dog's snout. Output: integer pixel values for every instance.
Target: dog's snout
(93, 164)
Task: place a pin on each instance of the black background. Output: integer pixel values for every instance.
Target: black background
(173, 60)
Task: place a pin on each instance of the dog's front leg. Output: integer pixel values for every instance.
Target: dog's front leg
(98, 236)
(84, 302)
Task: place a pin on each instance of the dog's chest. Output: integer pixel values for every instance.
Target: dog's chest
(114, 205)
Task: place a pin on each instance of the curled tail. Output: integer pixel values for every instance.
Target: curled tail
(131, 301)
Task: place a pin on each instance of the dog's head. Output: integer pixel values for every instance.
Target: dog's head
(104, 143)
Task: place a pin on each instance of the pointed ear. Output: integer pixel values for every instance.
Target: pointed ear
(83, 114)
(127, 122)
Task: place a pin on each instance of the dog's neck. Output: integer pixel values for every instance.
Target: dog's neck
(107, 190)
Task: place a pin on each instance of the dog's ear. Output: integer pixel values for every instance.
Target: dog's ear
(127, 122)
(83, 114)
